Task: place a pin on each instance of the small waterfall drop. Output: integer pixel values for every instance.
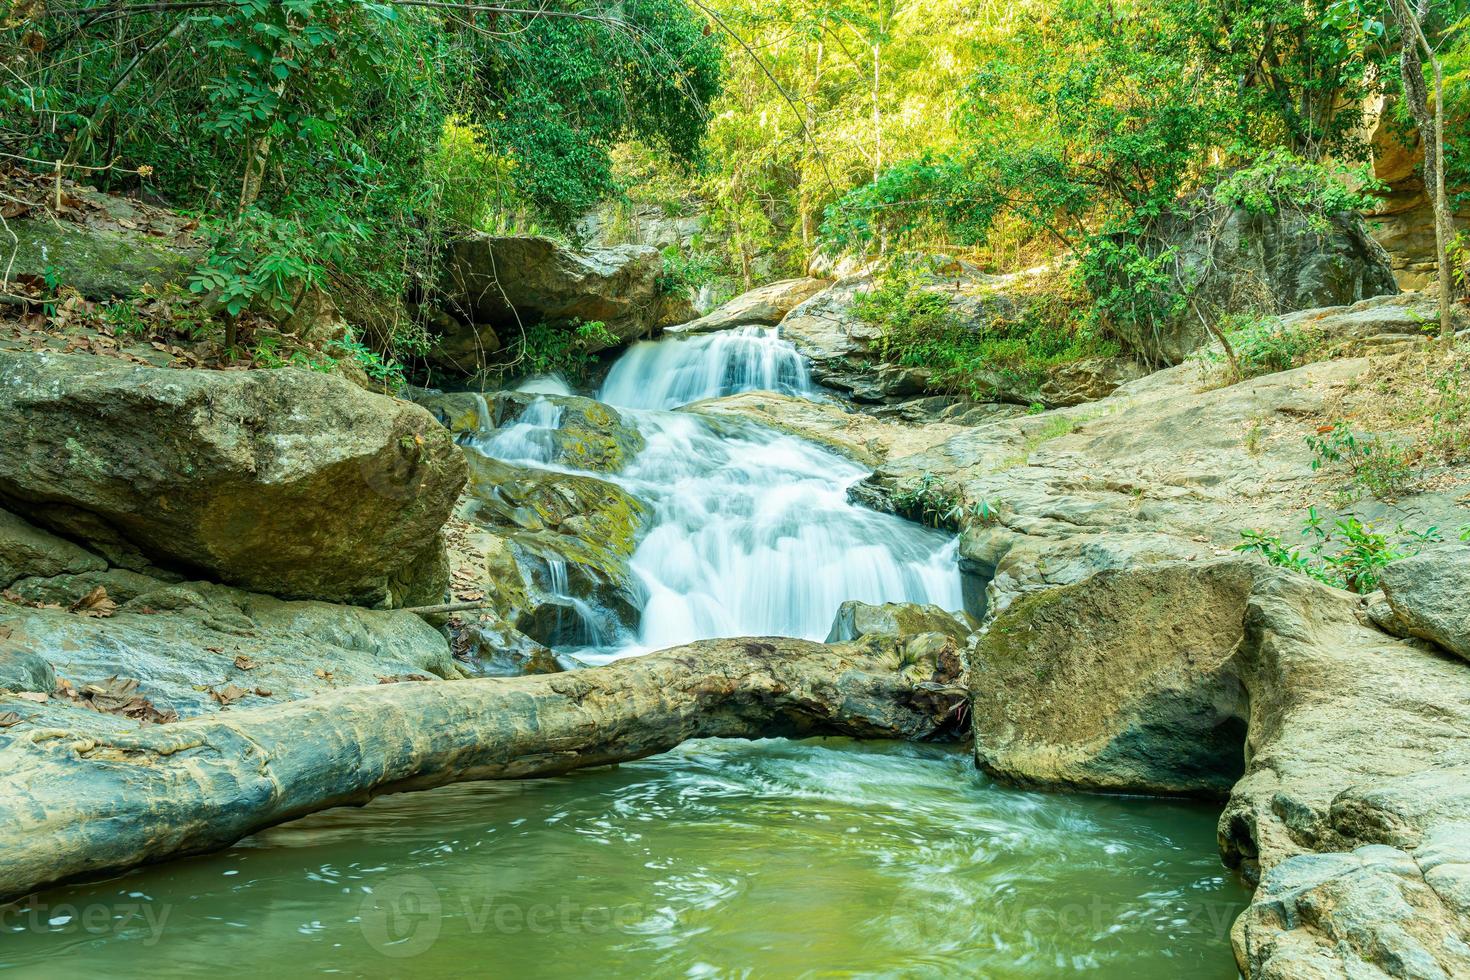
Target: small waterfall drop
(754, 536)
(530, 441)
(676, 371)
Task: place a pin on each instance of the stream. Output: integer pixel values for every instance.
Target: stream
(773, 858)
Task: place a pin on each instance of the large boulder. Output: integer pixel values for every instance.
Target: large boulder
(1429, 595)
(102, 245)
(1230, 260)
(288, 482)
(856, 620)
(564, 430)
(1355, 807)
(509, 283)
(1121, 682)
(764, 306)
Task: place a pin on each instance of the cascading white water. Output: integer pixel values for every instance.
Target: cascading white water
(676, 371)
(752, 533)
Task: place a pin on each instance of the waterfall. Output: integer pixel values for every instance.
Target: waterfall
(751, 534)
(754, 536)
(676, 371)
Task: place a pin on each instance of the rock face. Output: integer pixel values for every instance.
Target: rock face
(507, 282)
(845, 350)
(1161, 470)
(112, 248)
(764, 306)
(1232, 261)
(859, 437)
(192, 647)
(1355, 801)
(185, 644)
(288, 482)
(1429, 595)
(1121, 682)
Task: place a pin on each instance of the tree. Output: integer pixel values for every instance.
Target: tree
(1415, 50)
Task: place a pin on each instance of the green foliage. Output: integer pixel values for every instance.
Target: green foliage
(331, 142)
(1349, 555)
(681, 273)
(1377, 465)
(558, 348)
(1279, 180)
(1008, 352)
(1265, 345)
(264, 263)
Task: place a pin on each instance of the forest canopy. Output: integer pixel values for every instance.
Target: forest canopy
(339, 141)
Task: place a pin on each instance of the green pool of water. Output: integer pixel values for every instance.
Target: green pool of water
(775, 858)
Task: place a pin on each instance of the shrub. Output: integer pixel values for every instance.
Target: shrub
(1264, 345)
(1349, 555)
(1011, 354)
(1377, 465)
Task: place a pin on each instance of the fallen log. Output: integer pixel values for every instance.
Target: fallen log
(80, 798)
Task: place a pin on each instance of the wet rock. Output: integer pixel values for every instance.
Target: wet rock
(1121, 682)
(764, 306)
(508, 282)
(22, 669)
(282, 481)
(856, 620)
(1429, 597)
(497, 649)
(587, 434)
(558, 550)
(463, 413)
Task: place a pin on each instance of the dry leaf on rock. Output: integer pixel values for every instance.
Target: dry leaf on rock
(95, 603)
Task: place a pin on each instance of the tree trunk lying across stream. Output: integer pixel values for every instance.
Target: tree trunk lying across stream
(85, 800)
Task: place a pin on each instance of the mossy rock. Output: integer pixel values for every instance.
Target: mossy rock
(100, 264)
(589, 436)
(570, 535)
